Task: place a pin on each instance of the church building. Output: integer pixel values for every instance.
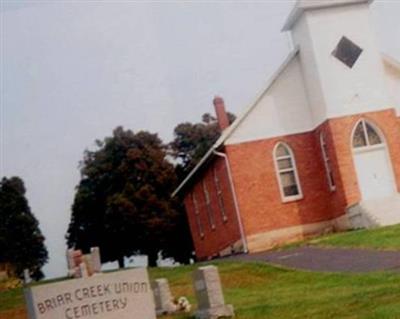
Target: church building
(317, 151)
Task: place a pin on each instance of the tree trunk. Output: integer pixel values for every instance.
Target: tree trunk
(121, 262)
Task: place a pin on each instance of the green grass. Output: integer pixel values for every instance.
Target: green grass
(260, 291)
(11, 299)
(385, 238)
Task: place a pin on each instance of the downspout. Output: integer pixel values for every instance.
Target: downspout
(235, 202)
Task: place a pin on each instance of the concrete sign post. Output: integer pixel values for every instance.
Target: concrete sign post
(124, 294)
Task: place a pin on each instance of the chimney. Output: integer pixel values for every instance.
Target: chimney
(222, 116)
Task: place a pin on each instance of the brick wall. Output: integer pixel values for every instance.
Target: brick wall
(226, 229)
(258, 190)
(257, 187)
(256, 181)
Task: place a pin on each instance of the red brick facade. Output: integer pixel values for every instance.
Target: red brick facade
(257, 189)
(217, 222)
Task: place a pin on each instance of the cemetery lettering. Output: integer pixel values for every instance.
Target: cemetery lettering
(91, 292)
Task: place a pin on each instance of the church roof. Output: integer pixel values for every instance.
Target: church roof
(388, 60)
(300, 7)
(229, 130)
(304, 5)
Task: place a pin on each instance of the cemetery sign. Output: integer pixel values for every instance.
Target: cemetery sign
(123, 294)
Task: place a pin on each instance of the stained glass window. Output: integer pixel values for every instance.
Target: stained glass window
(373, 137)
(359, 138)
(366, 135)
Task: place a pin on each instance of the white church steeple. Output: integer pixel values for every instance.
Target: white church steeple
(342, 66)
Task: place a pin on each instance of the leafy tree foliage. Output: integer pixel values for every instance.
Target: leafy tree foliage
(122, 203)
(21, 241)
(193, 140)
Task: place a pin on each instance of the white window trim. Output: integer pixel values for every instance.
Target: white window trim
(197, 214)
(327, 161)
(286, 199)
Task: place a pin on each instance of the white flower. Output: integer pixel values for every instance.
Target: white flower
(183, 304)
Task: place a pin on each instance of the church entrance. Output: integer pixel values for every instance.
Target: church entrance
(372, 162)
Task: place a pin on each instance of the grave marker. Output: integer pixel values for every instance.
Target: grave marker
(27, 276)
(209, 295)
(162, 297)
(96, 261)
(92, 262)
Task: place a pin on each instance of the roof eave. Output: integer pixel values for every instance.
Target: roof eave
(194, 171)
(387, 59)
(229, 130)
(300, 8)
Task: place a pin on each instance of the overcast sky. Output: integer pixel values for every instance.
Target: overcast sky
(74, 70)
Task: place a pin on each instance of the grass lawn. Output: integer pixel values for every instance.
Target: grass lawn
(260, 291)
(385, 238)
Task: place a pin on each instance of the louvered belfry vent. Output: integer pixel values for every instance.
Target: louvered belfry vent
(347, 52)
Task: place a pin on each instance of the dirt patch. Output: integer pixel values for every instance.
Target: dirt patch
(18, 313)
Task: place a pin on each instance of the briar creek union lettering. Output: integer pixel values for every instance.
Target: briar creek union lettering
(84, 295)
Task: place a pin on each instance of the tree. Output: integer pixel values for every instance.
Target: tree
(21, 241)
(122, 203)
(192, 141)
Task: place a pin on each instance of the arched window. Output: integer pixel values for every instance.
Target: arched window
(288, 179)
(366, 135)
(327, 163)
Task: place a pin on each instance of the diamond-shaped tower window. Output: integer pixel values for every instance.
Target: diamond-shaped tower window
(347, 52)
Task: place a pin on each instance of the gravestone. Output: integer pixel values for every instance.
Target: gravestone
(77, 257)
(162, 297)
(27, 276)
(87, 260)
(123, 294)
(83, 270)
(96, 261)
(70, 258)
(209, 295)
(92, 262)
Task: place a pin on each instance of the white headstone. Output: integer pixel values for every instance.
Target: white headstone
(87, 259)
(163, 297)
(209, 295)
(83, 270)
(95, 252)
(70, 258)
(119, 295)
(27, 276)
